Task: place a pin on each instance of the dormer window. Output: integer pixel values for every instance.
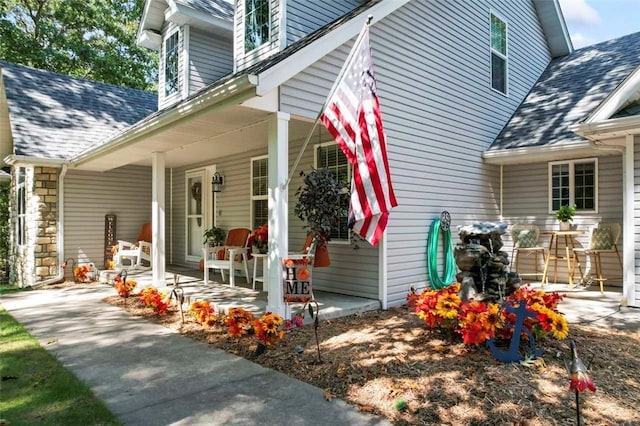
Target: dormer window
(256, 24)
(171, 52)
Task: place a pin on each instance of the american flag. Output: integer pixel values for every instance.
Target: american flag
(352, 116)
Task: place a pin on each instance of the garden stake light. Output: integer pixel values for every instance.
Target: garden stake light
(178, 293)
(580, 380)
(314, 316)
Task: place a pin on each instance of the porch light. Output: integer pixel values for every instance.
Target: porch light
(216, 182)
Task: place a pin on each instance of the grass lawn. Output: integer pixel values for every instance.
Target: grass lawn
(36, 389)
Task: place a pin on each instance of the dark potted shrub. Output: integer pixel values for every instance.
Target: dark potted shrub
(322, 200)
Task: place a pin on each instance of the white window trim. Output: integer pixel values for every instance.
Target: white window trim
(572, 188)
(21, 228)
(252, 197)
(350, 172)
(505, 56)
(244, 28)
(163, 90)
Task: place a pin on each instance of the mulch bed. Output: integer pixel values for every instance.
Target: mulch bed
(388, 363)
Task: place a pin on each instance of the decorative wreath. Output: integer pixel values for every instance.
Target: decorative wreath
(196, 190)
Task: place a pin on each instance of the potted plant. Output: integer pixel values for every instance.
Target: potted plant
(214, 236)
(260, 239)
(322, 201)
(565, 215)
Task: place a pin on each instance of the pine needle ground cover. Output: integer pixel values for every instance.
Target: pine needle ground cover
(390, 364)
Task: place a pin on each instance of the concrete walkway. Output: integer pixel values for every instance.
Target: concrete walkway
(149, 375)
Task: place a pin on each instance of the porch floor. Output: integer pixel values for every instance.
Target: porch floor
(223, 297)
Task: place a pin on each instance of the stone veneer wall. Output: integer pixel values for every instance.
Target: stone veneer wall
(37, 259)
(46, 246)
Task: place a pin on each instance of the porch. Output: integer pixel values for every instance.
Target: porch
(223, 297)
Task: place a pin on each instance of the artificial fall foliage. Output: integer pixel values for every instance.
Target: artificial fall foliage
(154, 299)
(478, 322)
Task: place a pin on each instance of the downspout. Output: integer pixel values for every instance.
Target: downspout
(60, 243)
(501, 189)
(171, 215)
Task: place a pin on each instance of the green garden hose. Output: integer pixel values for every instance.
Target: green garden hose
(438, 283)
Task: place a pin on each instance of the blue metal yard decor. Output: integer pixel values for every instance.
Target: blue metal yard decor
(519, 308)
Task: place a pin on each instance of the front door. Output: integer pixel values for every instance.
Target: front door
(195, 202)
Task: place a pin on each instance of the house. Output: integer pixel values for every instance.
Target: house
(581, 120)
(239, 89)
(45, 120)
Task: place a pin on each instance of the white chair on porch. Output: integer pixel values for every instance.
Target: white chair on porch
(232, 256)
(135, 255)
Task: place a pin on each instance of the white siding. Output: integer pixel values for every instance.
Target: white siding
(306, 16)
(526, 200)
(244, 60)
(233, 203)
(210, 58)
(89, 196)
(440, 113)
(352, 272)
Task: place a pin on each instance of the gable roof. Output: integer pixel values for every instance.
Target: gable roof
(233, 84)
(262, 78)
(56, 116)
(570, 89)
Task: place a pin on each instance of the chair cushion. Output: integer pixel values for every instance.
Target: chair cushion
(526, 238)
(237, 237)
(601, 239)
(224, 255)
(145, 233)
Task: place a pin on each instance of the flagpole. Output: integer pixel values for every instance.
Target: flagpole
(331, 92)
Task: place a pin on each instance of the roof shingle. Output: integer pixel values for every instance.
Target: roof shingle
(567, 92)
(57, 116)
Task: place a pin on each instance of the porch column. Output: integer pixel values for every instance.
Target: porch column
(628, 211)
(157, 218)
(278, 150)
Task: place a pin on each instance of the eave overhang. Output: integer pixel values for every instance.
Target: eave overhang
(554, 27)
(538, 154)
(17, 160)
(608, 129)
(232, 92)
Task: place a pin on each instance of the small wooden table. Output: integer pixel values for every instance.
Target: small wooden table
(263, 258)
(552, 254)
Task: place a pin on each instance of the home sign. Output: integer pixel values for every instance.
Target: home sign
(296, 279)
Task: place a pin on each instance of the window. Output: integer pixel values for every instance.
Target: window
(259, 191)
(21, 236)
(574, 182)
(498, 54)
(256, 23)
(171, 64)
(330, 155)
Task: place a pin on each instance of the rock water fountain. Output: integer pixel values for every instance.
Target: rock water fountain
(484, 268)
